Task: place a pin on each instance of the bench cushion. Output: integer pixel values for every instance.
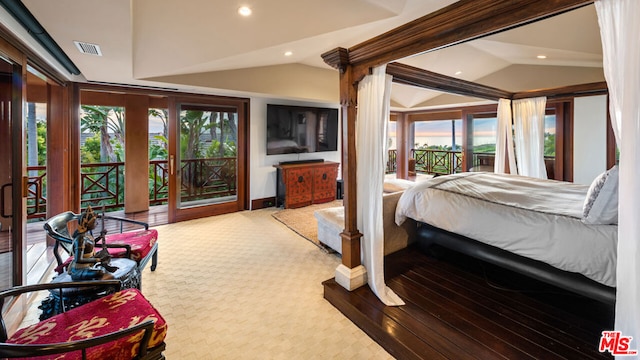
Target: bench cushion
(331, 224)
(141, 242)
(111, 313)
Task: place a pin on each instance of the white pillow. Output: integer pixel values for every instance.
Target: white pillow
(395, 185)
(601, 204)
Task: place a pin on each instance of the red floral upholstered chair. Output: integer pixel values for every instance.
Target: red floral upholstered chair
(132, 239)
(122, 325)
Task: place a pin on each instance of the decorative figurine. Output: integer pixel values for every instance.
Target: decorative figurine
(87, 264)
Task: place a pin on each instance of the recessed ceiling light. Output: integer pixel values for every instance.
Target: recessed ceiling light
(288, 53)
(541, 56)
(244, 10)
(458, 72)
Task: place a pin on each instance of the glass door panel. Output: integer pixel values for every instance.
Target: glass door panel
(484, 134)
(36, 165)
(7, 247)
(208, 155)
(158, 156)
(102, 156)
(550, 143)
(437, 146)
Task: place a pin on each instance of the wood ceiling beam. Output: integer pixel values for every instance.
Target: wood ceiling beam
(409, 75)
(597, 88)
(459, 22)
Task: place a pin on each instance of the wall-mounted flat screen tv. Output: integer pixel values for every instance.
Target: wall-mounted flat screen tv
(301, 129)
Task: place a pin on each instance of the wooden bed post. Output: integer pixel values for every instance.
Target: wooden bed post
(351, 274)
(470, 20)
(402, 146)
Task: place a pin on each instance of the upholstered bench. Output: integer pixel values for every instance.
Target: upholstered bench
(108, 318)
(331, 224)
(140, 245)
(142, 242)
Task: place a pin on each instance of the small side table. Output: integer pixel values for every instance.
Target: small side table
(128, 274)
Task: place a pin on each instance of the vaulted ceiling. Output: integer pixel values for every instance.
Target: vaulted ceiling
(206, 46)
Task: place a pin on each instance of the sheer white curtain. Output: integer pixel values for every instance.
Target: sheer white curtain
(620, 33)
(371, 134)
(528, 118)
(504, 139)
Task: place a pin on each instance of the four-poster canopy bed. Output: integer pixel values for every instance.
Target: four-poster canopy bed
(460, 22)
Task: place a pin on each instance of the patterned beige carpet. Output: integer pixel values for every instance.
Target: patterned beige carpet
(302, 221)
(243, 286)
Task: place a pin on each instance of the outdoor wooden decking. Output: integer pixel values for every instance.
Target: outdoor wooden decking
(461, 308)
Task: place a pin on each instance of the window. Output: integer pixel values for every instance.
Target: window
(437, 146)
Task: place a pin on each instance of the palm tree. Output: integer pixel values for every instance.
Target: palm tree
(96, 119)
(193, 124)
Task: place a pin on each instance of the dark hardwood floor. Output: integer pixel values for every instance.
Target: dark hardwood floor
(461, 308)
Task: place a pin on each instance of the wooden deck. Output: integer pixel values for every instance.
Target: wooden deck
(461, 308)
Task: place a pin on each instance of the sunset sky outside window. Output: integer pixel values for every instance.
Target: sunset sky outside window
(438, 132)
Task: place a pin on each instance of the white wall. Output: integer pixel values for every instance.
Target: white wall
(589, 138)
(262, 173)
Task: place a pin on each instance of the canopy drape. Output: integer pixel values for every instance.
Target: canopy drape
(504, 140)
(528, 119)
(371, 133)
(620, 33)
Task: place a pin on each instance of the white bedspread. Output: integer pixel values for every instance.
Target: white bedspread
(539, 219)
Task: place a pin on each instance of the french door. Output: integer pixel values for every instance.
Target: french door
(207, 157)
(12, 174)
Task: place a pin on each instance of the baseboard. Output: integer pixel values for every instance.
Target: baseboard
(263, 203)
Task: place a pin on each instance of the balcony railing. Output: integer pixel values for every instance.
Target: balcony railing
(208, 178)
(103, 184)
(439, 162)
(36, 192)
(158, 182)
(429, 161)
(442, 162)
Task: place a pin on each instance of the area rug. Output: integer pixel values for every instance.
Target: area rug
(302, 221)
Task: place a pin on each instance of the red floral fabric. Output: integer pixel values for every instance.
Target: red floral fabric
(141, 242)
(114, 312)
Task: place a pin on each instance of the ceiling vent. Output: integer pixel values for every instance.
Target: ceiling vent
(86, 48)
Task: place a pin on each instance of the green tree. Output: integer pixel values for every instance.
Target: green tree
(90, 151)
(485, 148)
(42, 142)
(549, 144)
(104, 120)
(159, 152)
(193, 124)
(228, 149)
(163, 116)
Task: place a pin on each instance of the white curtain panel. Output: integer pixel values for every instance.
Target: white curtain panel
(504, 139)
(528, 118)
(620, 33)
(371, 133)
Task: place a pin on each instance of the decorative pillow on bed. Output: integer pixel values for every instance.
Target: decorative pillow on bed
(601, 204)
(395, 185)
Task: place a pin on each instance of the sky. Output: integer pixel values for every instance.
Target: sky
(439, 132)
